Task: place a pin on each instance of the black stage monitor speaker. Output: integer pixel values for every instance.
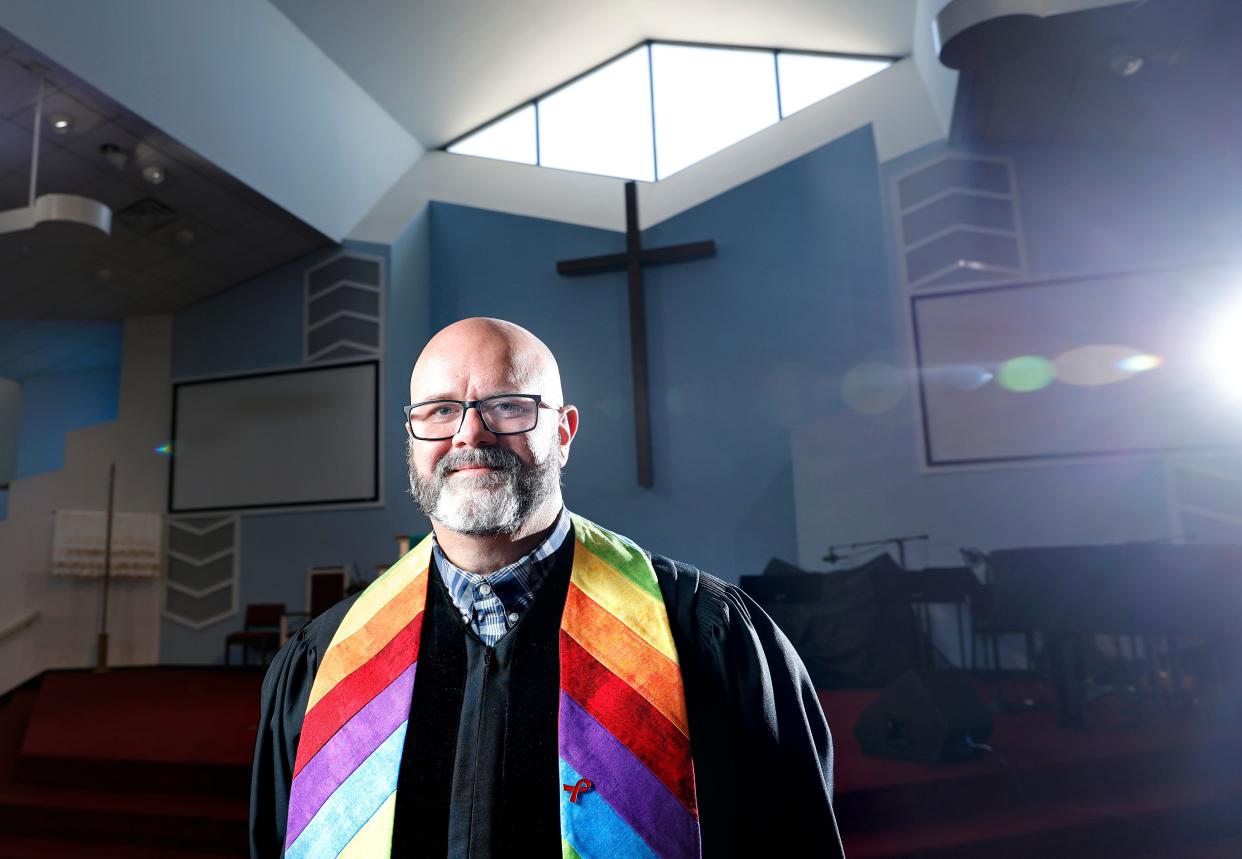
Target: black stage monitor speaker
(928, 718)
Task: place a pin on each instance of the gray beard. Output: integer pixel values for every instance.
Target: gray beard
(487, 505)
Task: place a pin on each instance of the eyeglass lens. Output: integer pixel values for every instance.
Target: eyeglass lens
(500, 415)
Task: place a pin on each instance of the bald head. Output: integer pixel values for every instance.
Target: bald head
(465, 359)
(486, 490)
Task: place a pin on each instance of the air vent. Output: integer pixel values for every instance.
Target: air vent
(145, 215)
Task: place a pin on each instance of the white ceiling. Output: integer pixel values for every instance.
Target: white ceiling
(441, 69)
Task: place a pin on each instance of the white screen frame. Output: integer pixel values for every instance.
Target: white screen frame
(928, 463)
(371, 498)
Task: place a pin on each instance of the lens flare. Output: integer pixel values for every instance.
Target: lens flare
(1140, 363)
(961, 376)
(1026, 373)
(1094, 365)
(873, 388)
(165, 449)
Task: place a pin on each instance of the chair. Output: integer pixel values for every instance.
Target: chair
(261, 630)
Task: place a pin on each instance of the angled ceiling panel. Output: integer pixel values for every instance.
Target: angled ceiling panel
(277, 113)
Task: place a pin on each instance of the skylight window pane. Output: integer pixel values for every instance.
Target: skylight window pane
(707, 99)
(509, 139)
(601, 123)
(808, 78)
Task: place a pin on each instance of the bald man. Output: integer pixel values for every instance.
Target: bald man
(525, 682)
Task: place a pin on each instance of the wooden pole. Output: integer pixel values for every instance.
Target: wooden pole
(101, 656)
(632, 262)
(638, 337)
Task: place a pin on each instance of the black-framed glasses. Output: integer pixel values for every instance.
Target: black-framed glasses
(502, 414)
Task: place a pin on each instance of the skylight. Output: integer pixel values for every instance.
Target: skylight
(660, 107)
(601, 123)
(808, 78)
(708, 98)
(510, 138)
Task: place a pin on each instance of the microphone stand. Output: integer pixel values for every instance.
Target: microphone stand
(832, 557)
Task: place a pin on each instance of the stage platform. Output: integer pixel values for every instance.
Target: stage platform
(154, 762)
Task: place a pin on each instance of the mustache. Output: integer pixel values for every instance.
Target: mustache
(502, 460)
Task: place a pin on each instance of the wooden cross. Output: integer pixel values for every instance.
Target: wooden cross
(632, 262)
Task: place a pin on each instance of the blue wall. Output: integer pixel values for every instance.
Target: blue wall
(54, 404)
(69, 377)
(69, 372)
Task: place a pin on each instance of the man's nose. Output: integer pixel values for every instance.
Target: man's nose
(473, 432)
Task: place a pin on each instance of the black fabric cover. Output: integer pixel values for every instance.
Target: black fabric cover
(854, 628)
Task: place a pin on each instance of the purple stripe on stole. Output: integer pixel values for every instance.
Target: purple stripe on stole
(348, 748)
(625, 783)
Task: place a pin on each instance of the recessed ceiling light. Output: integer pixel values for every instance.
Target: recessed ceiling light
(61, 123)
(184, 237)
(153, 174)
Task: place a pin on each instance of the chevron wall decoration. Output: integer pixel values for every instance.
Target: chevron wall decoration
(203, 555)
(958, 223)
(344, 308)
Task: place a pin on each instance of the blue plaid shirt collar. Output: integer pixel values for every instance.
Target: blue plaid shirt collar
(492, 604)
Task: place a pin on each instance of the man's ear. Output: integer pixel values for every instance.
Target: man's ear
(566, 429)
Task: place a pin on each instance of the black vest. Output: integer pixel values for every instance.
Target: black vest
(479, 768)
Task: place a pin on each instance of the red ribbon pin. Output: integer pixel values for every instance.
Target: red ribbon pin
(584, 784)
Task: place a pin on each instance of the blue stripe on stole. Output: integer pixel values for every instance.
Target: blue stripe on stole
(593, 828)
(353, 803)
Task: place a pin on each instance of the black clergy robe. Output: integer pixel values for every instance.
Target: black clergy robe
(483, 729)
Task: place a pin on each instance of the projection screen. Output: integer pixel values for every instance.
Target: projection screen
(1106, 365)
(308, 436)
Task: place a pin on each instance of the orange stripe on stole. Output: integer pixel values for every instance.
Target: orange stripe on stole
(623, 652)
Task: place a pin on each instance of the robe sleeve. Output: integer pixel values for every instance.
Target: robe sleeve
(286, 689)
(762, 747)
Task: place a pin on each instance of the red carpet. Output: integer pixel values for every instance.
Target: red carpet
(139, 762)
(146, 715)
(154, 762)
(1138, 781)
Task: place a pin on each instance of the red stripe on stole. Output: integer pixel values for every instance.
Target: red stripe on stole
(346, 698)
(629, 717)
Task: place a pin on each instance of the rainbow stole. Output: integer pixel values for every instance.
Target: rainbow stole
(622, 723)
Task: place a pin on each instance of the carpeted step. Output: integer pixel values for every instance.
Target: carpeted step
(1140, 822)
(14, 716)
(137, 776)
(27, 847)
(175, 821)
(154, 730)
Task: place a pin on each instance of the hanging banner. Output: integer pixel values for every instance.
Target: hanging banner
(79, 538)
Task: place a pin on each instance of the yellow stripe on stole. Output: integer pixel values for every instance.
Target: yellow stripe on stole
(624, 600)
(374, 839)
(343, 656)
(383, 589)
